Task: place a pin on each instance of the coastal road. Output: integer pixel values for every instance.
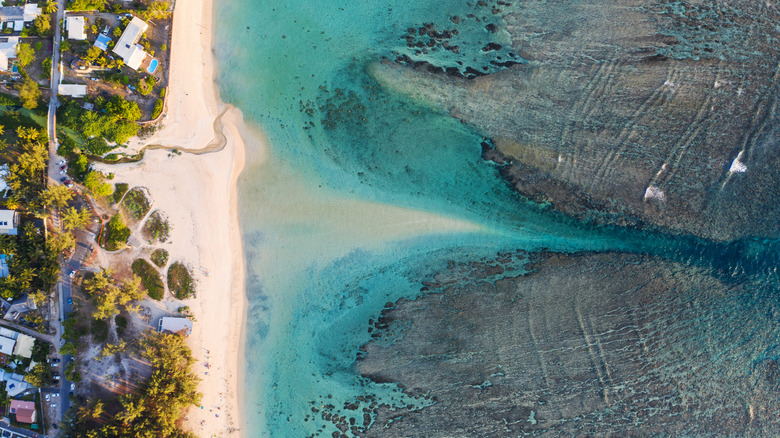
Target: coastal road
(55, 82)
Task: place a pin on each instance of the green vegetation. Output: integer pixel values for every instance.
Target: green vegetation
(157, 227)
(150, 278)
(123, 109)
(146, 85)
(65, 46)
(87, 5)
(119, 190)
(108, 297)
(41, 26)
(158, 107)
(46, 66)
(25, 55)
(39, 376)
(40, 351)
(29, 92)
(73, 219)
(98, 126)
(94, 182)
(136, 203)
(116, 234)
(154, 409)
(180, 281)
(99, 330)
(160, 257)
(121, 325)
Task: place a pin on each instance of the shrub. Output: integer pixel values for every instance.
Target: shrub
(160, 257)
(163, 47)
(119, 190)
(116, 234)
(149, 278)
(158, 107)
(121, 325)
(99, 330)
(136, 204)
(125, 80)
(157, 227)
(180, 281)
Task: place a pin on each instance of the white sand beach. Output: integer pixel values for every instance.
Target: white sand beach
(198, 193)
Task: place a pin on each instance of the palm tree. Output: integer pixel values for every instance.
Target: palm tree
(50, 8)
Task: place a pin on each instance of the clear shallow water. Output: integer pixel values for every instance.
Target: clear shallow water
(366, 194)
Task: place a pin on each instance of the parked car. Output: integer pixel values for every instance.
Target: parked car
(48, 397)
(63, 179)
(72, 273)
(70, 301)
(55, 360)
(62, 162)
(68, 184)
(72, 386)
(63, 167)
(56, 378)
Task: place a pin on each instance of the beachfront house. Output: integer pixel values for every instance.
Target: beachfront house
(15, 17)
(77, 28)
(9, 221)
(7, 52)
(180, 326)
(128, 48)
(24, 411)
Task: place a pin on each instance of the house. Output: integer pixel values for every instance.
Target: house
(77, 28)
(181, 326)
(72, 90)
(24, 345)
(127, 48)
(14, 383)
(9, 221)
(102, 41)
(17, 308)
(7, 52)
(7, 345)
(14, 17)
(24, 411)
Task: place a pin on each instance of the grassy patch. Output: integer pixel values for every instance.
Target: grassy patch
(150, 279)
(156, 227)
(160, 257)
(136, 203)
(180, 281)
(116, 234)
(119, 190)
(121, 325)
(99, 330)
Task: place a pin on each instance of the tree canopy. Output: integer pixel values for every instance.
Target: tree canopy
(25, 54)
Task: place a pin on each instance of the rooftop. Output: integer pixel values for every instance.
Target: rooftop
(76, 28)
(182, 326)
(126, 47)
(24, 410)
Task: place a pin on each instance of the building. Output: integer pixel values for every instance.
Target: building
(127, 48)
(24, 411)
(14, 383)
(14, 17)
(9, 221)
(7, 53)
(180, 326)
(7, 345)
(72, 90)
(17, 308)
(24, 345)
(77, 28)
(102, 41)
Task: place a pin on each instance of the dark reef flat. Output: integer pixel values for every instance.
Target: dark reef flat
(583, 345)
(630, 112)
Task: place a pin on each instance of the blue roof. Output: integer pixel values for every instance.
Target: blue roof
(102, 42)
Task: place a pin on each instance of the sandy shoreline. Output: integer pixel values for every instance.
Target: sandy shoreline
(198, 192)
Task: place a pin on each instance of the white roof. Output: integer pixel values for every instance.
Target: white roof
(7, 345)
(76, 28)
(24, 345)
(8, 333)
(126, 47)
(7, 217)
(31, 10)
(176, 325)
(7, 51)
(73, 90)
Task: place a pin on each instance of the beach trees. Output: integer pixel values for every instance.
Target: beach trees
(123, 109)
(74, 219)
(95, 184)
(56, 196)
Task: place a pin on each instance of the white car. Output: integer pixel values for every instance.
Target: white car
(72, 386)
(48, 397)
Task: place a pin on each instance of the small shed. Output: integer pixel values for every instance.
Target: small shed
(181, 326)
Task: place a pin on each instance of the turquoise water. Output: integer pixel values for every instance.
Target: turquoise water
(365, 193)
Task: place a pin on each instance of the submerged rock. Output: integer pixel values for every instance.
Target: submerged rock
(583, 345)
(620, 98)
